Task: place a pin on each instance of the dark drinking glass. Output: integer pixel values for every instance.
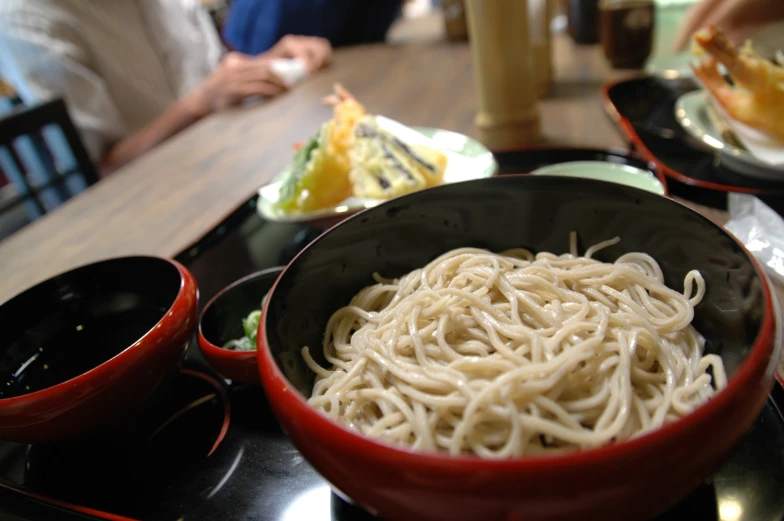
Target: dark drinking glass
(583, 17)
(626, 29)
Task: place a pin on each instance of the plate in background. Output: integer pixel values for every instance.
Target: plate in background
(606, 171)
(692, 112)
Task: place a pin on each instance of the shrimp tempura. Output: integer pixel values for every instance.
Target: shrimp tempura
(757, 98)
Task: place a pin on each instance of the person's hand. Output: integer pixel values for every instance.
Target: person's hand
(315, 52)
(737, 18)
(237, 77)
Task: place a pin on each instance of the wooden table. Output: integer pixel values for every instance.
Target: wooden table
(166, 200)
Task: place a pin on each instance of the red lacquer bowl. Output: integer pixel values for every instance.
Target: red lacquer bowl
(85, 349)
(221, 321)
(628, 481)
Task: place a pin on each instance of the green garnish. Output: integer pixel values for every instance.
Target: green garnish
(250, 326)
(299, 166)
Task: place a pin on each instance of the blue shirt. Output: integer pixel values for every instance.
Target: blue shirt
(254, 26)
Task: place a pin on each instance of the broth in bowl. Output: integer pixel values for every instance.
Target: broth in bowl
(36, 360)
(85, 349)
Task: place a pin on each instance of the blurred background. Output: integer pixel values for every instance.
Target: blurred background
(25, 196)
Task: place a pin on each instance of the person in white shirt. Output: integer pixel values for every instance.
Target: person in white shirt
(134, 72)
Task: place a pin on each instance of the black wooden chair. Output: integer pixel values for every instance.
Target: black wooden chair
(44, 159)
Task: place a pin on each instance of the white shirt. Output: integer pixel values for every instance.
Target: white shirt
(118, 63)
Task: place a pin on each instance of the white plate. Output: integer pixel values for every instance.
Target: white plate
(467, 159)
(691, 111)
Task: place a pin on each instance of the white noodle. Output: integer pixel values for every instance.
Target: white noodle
(503, 355)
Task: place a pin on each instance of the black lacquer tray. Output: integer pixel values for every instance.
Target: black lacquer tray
(209, 451)
(643, 109)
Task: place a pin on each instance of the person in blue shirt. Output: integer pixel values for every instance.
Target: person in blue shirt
(253, 26)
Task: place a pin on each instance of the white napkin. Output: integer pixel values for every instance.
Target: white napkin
(290, 70)
(760, 229)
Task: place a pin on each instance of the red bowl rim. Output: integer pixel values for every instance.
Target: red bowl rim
(278, 387)
(174, 314)
(213, 350)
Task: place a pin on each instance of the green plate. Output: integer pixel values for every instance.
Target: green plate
(605, 171)
(467, 159)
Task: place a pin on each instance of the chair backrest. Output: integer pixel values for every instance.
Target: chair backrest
(42, 155)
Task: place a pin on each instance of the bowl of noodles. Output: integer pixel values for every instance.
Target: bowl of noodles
(521, 347)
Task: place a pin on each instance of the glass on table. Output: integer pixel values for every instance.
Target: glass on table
(504, 73)
(626, 31)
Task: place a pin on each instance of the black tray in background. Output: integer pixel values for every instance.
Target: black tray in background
(159, 467)
(644, 110)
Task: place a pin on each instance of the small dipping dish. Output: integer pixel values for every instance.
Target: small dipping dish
(221, 322)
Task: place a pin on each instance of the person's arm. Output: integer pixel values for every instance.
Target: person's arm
(42, 67)
(693, 21)
(237, 77)
(177, 117)
(44, 57)
(738, 18)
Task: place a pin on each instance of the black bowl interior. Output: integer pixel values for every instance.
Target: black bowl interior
(537, 213)
(222, 319)
(67, 325)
